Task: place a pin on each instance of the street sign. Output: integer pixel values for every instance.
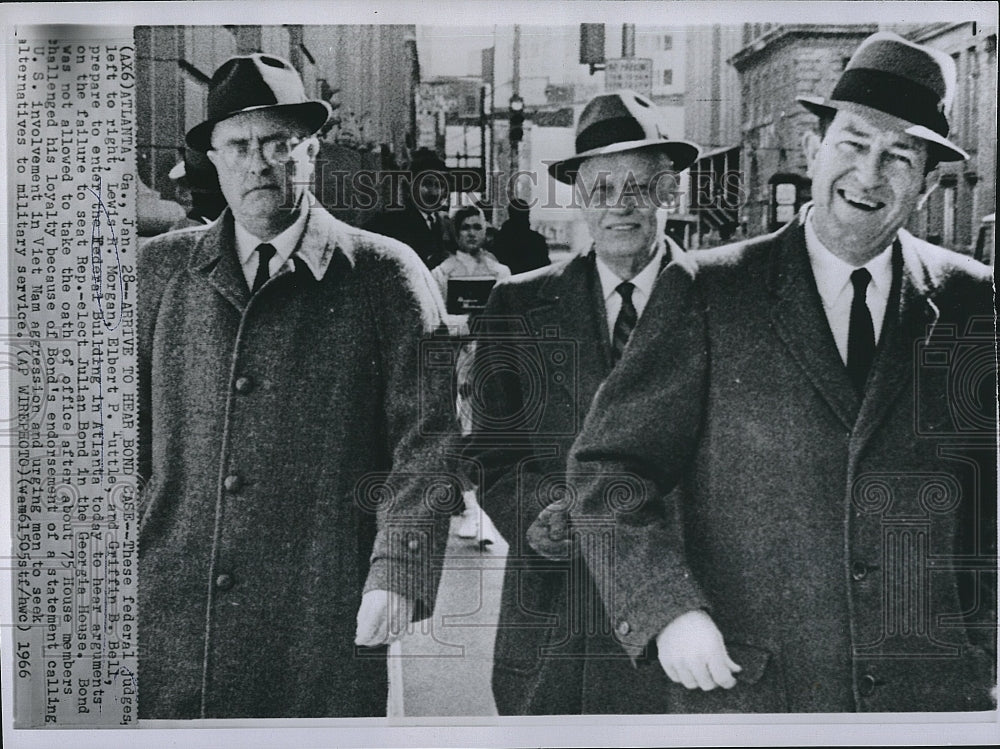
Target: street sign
(635, 73)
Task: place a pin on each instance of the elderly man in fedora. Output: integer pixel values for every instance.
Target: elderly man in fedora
(825, 396)
(548, 339)
(292, 451)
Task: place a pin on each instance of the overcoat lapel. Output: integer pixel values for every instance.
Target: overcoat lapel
(214, 258)
(572, 303)
(800, 322)
(910, 316)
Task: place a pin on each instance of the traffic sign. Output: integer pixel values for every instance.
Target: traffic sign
(635, 73)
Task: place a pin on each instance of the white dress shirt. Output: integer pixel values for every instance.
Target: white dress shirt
(643, 282)
(284, 245)
(833, 279)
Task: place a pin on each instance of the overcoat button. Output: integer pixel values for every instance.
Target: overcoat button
(244, 384)
(859, 571)
(624, 628)
(224, 582)
(232, 483)
(866, 685)
(413, 544)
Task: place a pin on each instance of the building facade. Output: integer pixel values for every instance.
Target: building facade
(954, 213)
(712, 120)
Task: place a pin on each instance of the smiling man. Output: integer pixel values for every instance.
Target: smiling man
(550, 337)
(280, 401)
(833, 547)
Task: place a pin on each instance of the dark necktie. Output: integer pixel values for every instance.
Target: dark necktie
(625, 322)
(861, 334)
(264, 254)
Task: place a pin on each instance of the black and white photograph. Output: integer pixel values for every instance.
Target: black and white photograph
(571, 373)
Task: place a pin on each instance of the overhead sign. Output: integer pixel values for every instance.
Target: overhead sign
(635, 73)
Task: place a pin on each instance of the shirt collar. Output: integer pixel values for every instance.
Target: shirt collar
(833, 275)
(643, 280)
(284, 244)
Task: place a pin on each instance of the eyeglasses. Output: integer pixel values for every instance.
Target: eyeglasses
(274, 150)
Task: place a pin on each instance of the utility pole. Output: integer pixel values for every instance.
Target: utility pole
(483, 166)
(516, 82)
(628, 40)
(516, 101)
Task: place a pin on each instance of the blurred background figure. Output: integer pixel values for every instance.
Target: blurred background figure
(198, 181)
(422, 222)
(517, 246)
(471, 259)
(466, 279)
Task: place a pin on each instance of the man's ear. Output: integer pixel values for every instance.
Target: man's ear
(810, 145)
(312, 146)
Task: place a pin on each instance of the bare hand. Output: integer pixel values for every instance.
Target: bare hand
(382, 618)
(549, 533)
(692, 653)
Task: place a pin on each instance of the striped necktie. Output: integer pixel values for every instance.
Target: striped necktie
(627, 318)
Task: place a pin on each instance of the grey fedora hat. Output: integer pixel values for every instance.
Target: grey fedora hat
(618, 122)
(912, 82)
(252, 82)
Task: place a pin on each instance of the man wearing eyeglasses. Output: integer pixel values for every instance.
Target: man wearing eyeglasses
(293, 493)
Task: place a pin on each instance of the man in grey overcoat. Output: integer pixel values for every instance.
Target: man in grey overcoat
(293, 449)
(826, 397)
(548, 338)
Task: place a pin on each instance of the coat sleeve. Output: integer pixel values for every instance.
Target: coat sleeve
(498, 444)
(415, 497)
(158, 261)
(630, 459)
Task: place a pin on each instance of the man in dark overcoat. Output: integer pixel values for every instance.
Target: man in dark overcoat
(422, 221)
(548, 339)
(826, 397)
(292, 448)
(517, 245)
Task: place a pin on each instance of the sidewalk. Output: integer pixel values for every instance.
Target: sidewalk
(446, 664)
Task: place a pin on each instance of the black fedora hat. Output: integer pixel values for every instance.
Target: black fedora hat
(252, 82)
(619, 122)
(893, 76)
(426, 160)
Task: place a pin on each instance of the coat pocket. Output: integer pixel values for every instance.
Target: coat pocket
(760, 687)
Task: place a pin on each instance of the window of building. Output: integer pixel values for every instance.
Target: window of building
(668, 77)
(948, 222)
(959, 103)
(972, 93)
(668, 41)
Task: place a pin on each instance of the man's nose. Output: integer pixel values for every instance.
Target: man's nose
(256, 163)
(868, 168)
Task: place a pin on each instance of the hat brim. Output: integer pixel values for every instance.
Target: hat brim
(313, 115)
(681, 153)
(943, 149)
